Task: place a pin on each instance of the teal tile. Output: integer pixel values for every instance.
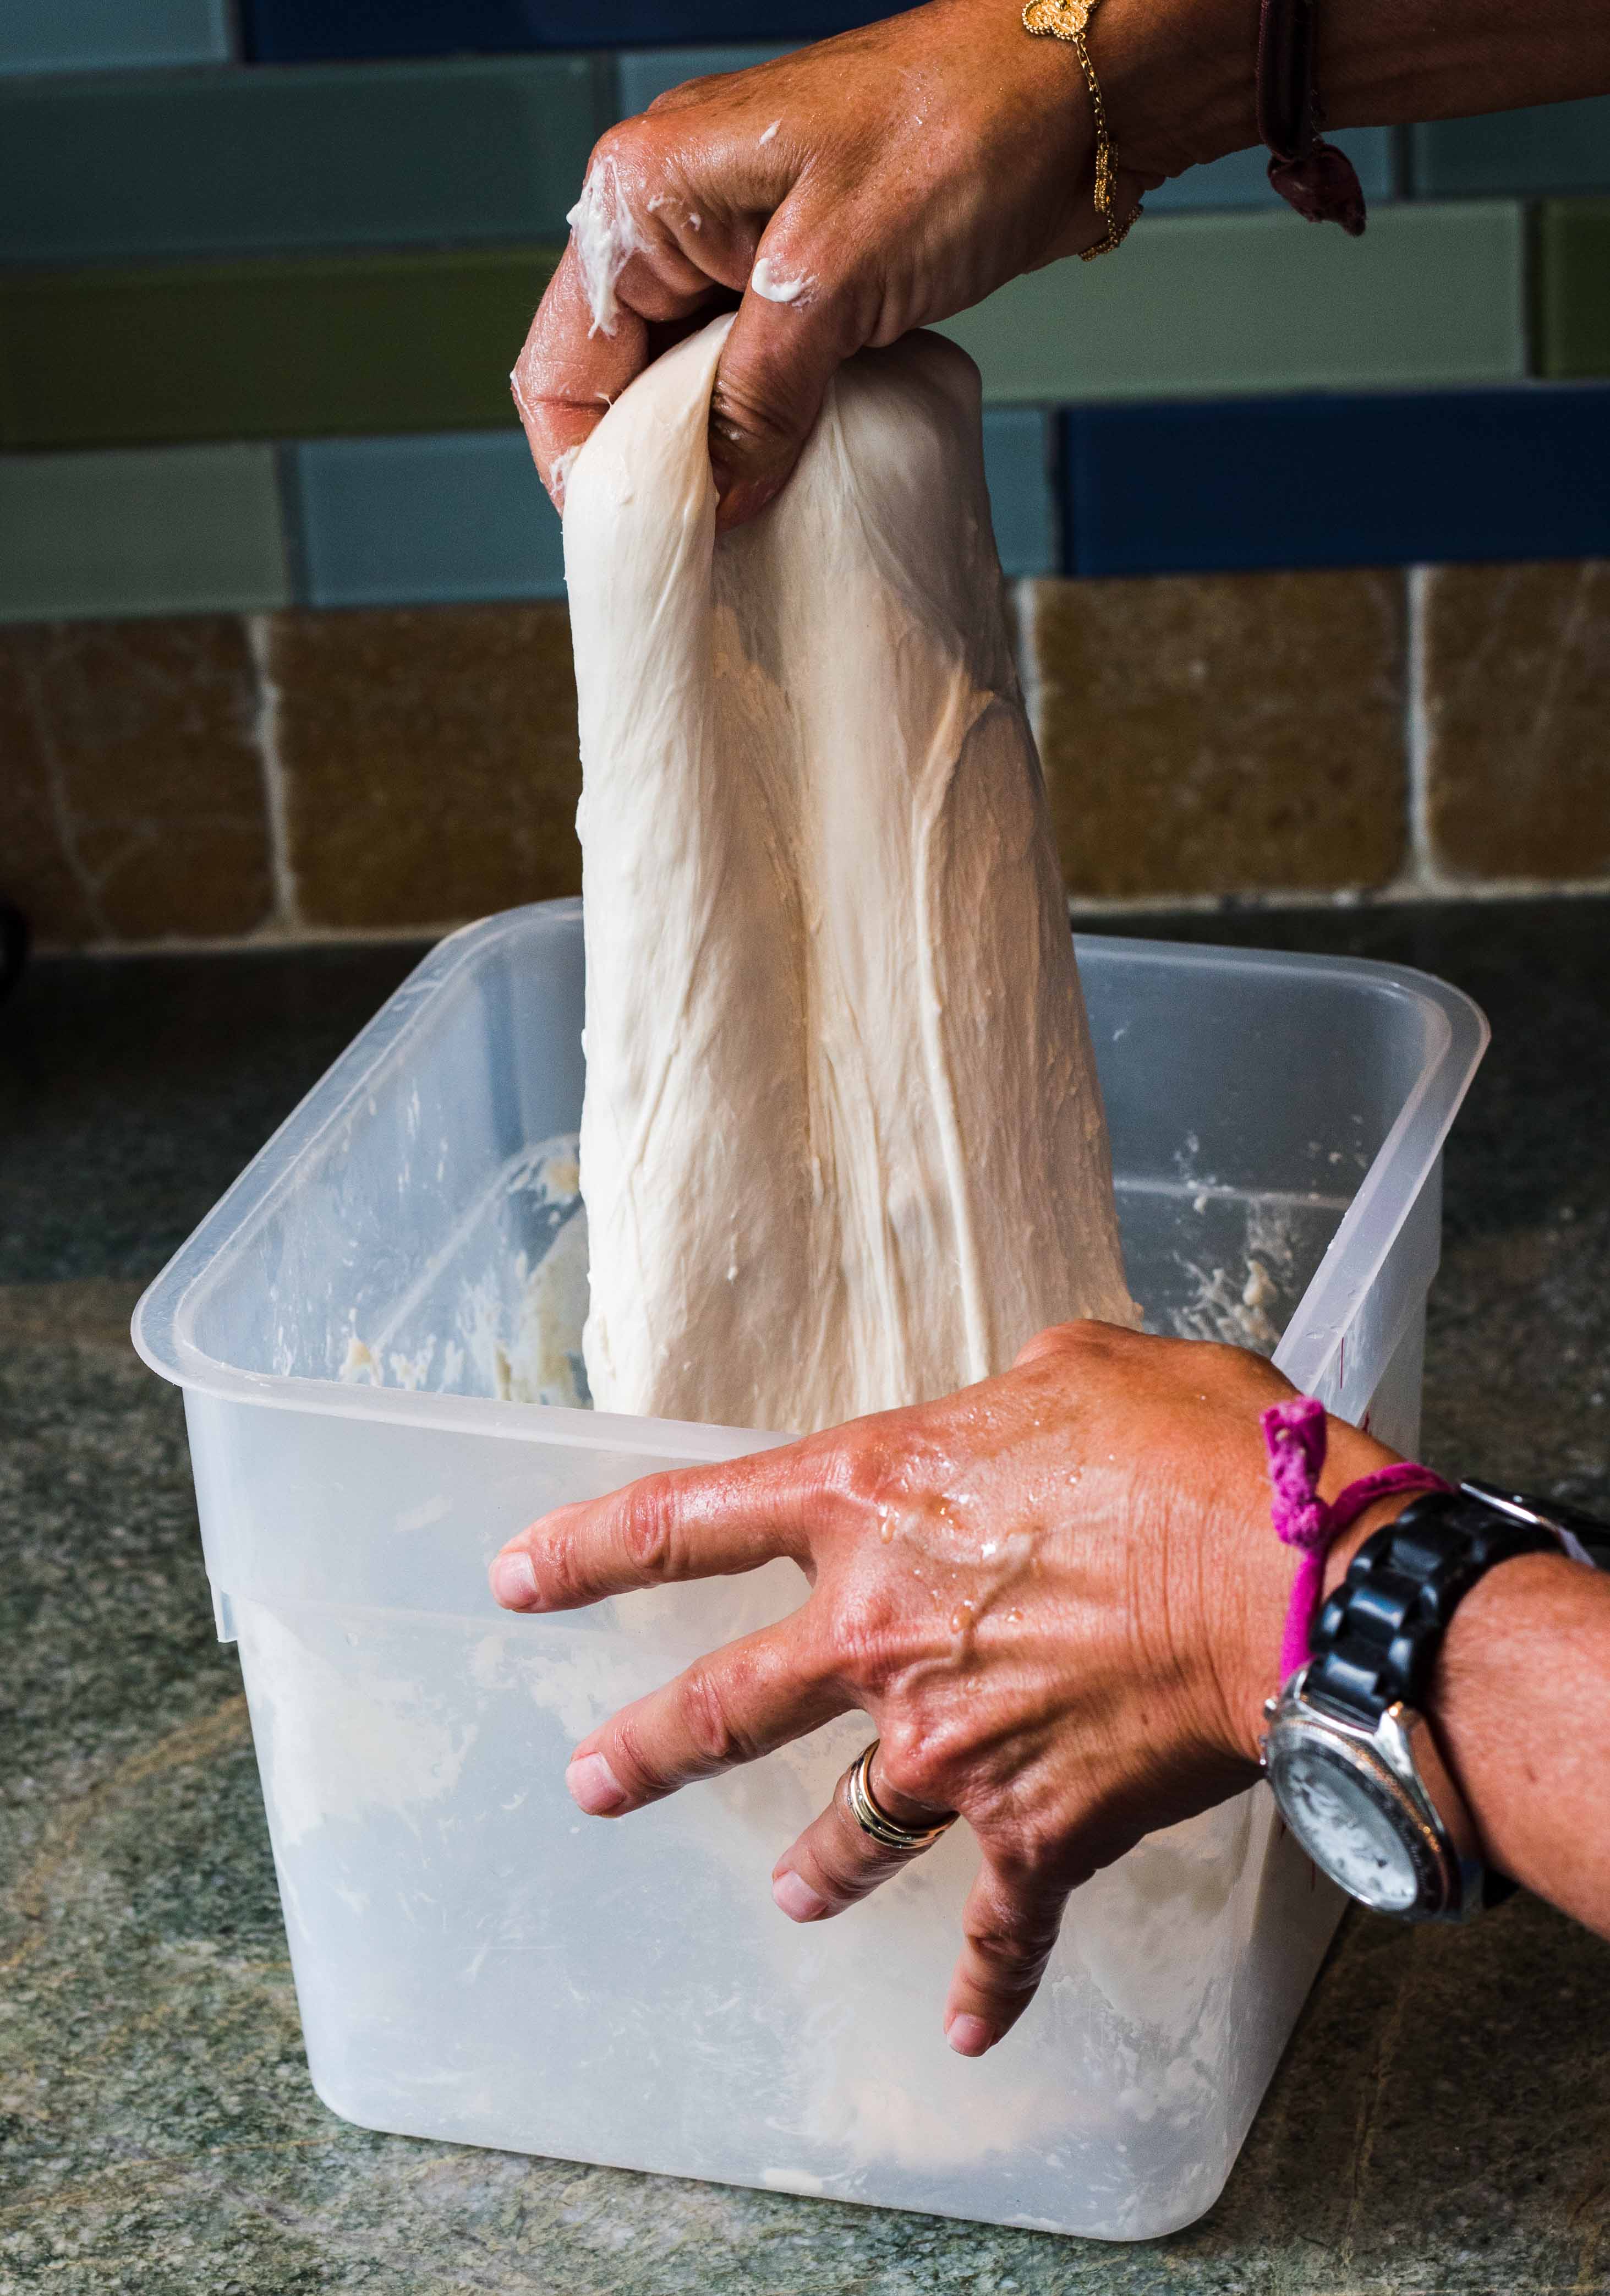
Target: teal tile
(1573, 288)
(1199, 305)
(188, 530)
(41, 36)
(461, 515)
(1018, 446)
(394, 521)
(644, 73)
(1242, 180)
(1550, 147)
(130, 167)
(349, 345)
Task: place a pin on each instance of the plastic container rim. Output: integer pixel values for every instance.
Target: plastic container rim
(1320, 1323)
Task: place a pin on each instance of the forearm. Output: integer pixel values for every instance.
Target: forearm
(1521, 1706)
(1178, 77)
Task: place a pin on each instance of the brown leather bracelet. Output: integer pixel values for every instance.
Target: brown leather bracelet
(1313, 175)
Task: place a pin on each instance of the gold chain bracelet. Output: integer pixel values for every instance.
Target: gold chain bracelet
(1067, 20)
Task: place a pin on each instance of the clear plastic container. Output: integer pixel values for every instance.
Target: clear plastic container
(473, 1959)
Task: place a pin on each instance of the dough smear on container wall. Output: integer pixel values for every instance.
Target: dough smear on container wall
(842, 1146)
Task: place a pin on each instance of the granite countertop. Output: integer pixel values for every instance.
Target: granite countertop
(1442, 2119)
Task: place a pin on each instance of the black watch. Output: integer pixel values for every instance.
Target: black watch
(1354, 1762)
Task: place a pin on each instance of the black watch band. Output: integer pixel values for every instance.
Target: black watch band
(1375, 1642)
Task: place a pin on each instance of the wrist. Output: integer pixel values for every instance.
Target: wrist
(1180, 83)
(1260, 1589)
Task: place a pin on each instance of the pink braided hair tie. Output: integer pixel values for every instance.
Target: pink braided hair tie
(1295, 1436)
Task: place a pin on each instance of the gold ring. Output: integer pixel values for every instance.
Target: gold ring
(872, 1818)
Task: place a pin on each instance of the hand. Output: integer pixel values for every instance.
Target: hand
(1057, 1594)
(845, 195)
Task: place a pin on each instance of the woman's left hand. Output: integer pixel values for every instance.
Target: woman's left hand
(1057, 1594)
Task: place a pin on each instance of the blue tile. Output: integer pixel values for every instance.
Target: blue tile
(454, 515)
(461, 515)
(1018, 446)
(138, 167)
(41, 36)
(643, 73)
(170, 530)
(1388, 480)
(1242, 180)
(1550, 147)
(301, 31)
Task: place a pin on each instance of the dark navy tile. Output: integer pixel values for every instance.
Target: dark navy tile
(298, 31)
(48, 36)
(139, 167)
(1019, 449)
(1548, 147)
(1390, 479)
(444, 518)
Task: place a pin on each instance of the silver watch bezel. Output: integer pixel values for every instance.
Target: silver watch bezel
(1399, 1756)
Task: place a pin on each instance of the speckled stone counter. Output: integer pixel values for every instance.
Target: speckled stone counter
(1442, 2120)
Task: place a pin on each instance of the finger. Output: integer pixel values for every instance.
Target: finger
(1009, 1923)
(692, 1522)
(569, 371)
(794, 330)
(741, 1703)
(836, 1862)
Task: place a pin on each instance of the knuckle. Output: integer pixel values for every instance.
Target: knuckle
(634, 1765)
(707, 1717)
(913, 1763)
(1011, 1937)
(646, 1527)
(849, 1863)
(621, 147)
(865, 1636)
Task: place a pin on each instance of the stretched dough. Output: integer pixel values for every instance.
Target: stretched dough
(842, 1145)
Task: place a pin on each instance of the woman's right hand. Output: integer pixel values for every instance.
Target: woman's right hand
(846, 194)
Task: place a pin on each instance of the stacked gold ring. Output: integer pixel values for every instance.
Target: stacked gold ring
(872, 1818)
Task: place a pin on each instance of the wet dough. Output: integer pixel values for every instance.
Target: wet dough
(842, 1145)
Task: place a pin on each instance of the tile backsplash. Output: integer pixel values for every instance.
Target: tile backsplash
(1307, 536)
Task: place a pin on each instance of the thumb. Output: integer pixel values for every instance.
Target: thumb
(792, 333)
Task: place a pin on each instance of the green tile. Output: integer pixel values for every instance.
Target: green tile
(143, 165)
(1203, 305)
(1573, 288)
(38, 35)
(1548, 147)
(185, 529)
(264, 350)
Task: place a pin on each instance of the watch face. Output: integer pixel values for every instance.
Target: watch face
(1351, 1826)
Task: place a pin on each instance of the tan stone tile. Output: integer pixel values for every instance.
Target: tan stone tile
(1517, 677)
(431, 760)
(131, 792)
(1222, 734)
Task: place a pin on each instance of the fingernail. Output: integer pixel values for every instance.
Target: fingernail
(969, 2037)
(594, 1786)
(513, 1580)
(795, 1898)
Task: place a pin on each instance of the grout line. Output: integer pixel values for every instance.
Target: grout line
(1403, 893)
(1422, 862)
(286, 920)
